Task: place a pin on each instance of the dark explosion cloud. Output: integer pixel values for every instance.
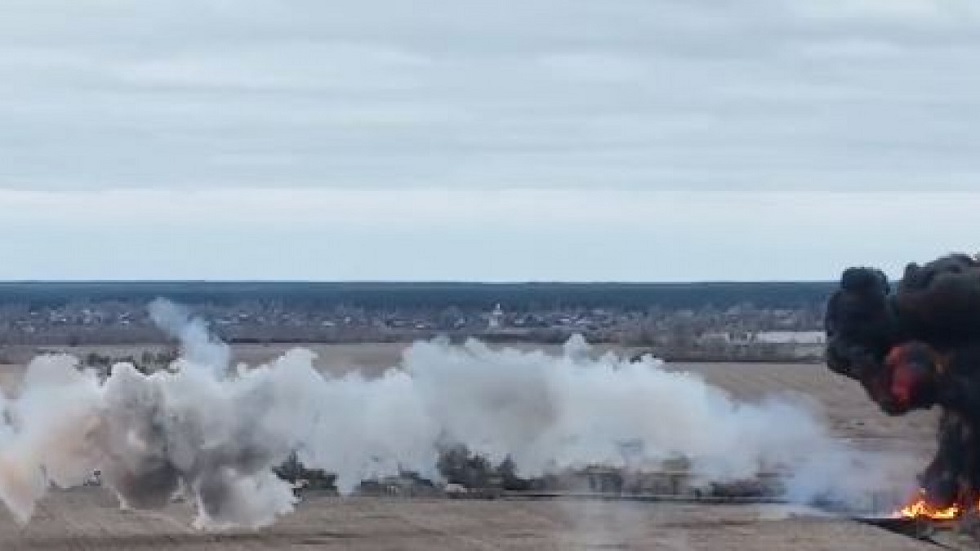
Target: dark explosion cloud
(915, 347)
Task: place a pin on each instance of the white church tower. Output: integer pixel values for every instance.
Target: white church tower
(496, 320)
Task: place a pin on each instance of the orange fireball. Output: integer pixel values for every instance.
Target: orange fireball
(921, 509)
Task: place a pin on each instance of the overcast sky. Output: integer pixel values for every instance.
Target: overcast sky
(497, 140)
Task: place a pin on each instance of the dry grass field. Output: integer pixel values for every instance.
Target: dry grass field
(89, 518)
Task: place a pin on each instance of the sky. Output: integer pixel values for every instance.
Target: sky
(507, 140)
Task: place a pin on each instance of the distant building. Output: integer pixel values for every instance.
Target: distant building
(496, 320)
(792, 337)
(764, 337)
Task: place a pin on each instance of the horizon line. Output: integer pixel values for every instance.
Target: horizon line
(408, 281)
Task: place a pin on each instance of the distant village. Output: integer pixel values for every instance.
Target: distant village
(737, 332)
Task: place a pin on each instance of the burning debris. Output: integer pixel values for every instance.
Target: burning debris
(916, 347)
(921, 508)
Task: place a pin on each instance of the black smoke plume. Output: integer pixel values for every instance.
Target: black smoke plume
(918, 347)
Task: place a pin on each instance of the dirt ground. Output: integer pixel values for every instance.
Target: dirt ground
(89, 518)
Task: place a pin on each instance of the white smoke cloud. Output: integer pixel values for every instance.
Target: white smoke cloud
(200, 348)
(217, 436)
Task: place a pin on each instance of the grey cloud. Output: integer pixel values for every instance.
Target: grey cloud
(872, 94)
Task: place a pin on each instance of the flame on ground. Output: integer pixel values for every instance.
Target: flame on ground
(921, 509)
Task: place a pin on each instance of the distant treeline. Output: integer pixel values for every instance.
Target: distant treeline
(393, 296)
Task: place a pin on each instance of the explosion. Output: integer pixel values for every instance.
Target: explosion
(914, 348)
(215, 433)
(920, 508)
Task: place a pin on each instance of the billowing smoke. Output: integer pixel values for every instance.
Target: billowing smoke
(200, 348)
(916, 347)
(215, 435)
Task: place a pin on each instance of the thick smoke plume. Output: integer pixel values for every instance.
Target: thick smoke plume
(199, 347)
(215, 434)
(916, 347)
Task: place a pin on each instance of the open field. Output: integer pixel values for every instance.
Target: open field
(88, 518)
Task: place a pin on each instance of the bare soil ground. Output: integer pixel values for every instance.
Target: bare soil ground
(89, 518)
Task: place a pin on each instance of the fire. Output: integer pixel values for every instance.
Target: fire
(920, 508)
